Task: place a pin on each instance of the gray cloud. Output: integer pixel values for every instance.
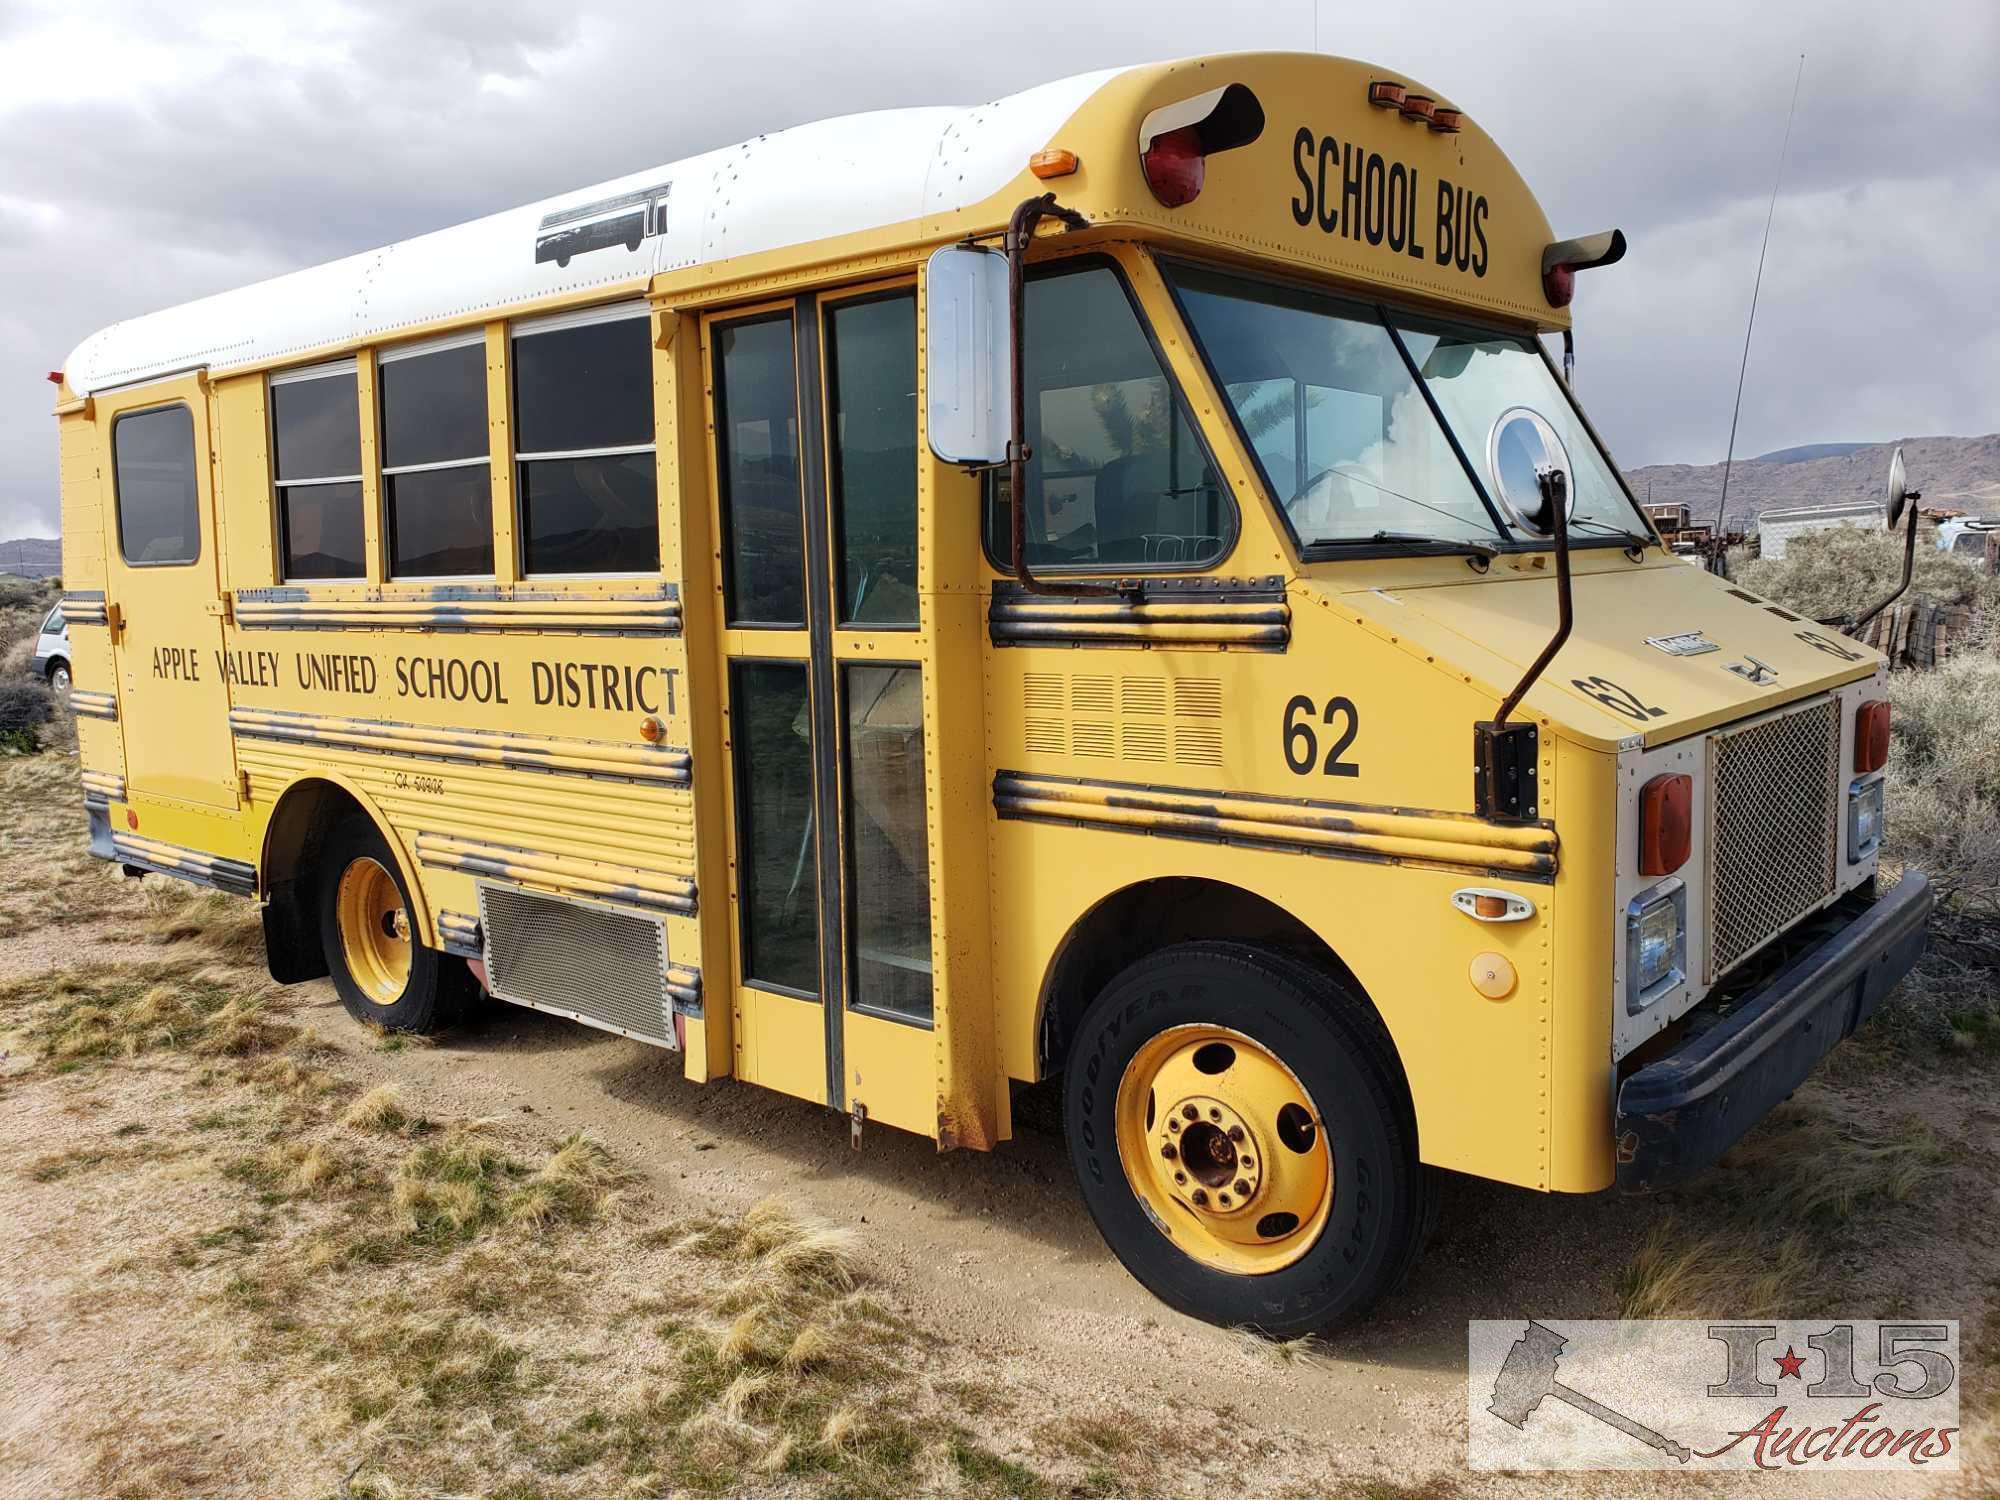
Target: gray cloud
(173, 162)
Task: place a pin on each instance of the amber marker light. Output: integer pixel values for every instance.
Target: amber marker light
(1871, 736)
(1418, 106)
(1386, 95)
(1446, 120)
(1053, 162)
(650, 730)
(1666, 823)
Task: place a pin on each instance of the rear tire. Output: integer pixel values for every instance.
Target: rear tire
(384, 975)
(1300, 1199)
(59, 679)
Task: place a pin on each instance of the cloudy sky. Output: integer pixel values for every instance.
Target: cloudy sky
(149, 154)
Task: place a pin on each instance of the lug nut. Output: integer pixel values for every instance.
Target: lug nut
(1247, 1161)
(1214, 1114)
(1191, 1112)
(1223, 1200)
(1236, 1132)
(1168, 1151)
(1180, 1177)
(1173, 1124)
(1200, 1197)
(1242, 1189)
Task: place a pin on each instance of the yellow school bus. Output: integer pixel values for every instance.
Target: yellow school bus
(1105, 584)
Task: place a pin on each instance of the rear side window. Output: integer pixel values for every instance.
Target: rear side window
(152, 456)
(583, 435)
(436, 475)
(316, 458)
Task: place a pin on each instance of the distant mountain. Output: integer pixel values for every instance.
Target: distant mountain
(1808, 450)
(1957, 473)
(32, 557)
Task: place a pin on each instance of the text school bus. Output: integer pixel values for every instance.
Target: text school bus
(1105, 583)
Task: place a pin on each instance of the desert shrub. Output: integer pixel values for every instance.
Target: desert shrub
(1826, 573)
(1944, 774)
(24, 708)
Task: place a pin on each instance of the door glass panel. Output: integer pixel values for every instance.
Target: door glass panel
(771, 731)
(757, 435)
(872, 370)
(888, 856)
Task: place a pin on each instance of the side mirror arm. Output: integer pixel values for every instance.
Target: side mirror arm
(1554, 485)
(1020, 233)
(1909, 563)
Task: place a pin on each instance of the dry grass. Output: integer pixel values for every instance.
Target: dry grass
(1681, 1272)
(1826, 573)
(99, 1013)
(1753, 1235)
(228, 927)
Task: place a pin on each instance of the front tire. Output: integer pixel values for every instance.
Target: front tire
(59, 679)
(1244, 1140)
(383, 973)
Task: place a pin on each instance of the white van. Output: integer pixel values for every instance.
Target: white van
(51, 662)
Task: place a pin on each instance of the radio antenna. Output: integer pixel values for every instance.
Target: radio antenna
(1729, 457)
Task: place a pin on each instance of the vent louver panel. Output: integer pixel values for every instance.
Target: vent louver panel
(605, 967)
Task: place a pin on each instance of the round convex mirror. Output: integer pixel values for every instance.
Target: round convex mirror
(1519, 449)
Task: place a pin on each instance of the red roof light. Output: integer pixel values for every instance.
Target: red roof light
(1174, 166)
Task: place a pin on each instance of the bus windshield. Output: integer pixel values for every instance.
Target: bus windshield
(1343, 434)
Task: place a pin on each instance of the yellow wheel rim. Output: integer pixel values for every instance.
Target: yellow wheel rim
(1225, 1149)
(374, 931)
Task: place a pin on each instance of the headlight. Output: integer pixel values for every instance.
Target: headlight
(1864, 819)
(1655, 944)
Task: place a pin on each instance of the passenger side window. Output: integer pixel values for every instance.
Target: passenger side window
(316, 460)
(1118, 478)
(152, 458)
(437, 487)
(583, 441)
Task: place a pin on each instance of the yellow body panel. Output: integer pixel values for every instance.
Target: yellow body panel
(572, 737)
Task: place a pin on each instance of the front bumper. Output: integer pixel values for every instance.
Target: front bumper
(1678, 1114)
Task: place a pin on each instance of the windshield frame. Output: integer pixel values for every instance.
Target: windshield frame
(1505, 539)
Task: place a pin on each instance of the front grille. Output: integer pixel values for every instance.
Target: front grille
(1774, 827)
(597, 965)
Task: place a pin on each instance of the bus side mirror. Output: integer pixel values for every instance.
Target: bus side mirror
(1899, 490)
(968, 354)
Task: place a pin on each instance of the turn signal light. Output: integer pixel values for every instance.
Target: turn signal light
(1053, 162)
(1666, 823)
(1174, 166)
(1871, 736)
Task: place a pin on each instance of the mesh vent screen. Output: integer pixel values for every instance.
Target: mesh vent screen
(1774, 827)
(604, 965)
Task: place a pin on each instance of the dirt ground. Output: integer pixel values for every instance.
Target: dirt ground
(135, 1362)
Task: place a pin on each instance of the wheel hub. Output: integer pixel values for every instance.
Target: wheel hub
(374, 930)
(1224, 1149)
(1218, 1159)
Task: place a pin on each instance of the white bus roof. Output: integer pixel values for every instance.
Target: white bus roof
(812, 182)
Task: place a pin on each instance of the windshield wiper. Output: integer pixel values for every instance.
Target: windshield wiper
(1605, 528)
(1422, 546)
